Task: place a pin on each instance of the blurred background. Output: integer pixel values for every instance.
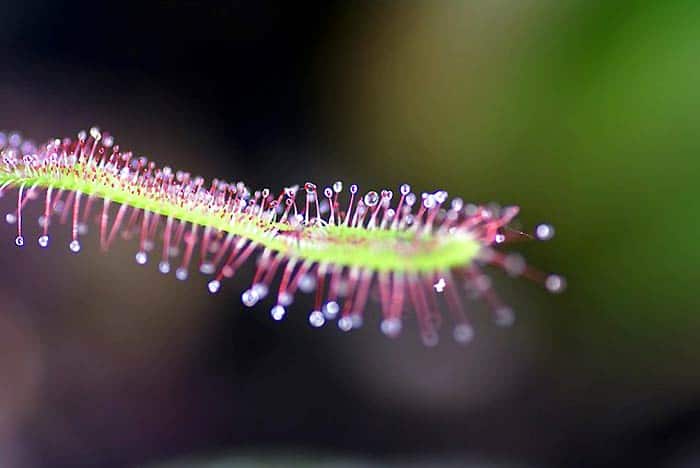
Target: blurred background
(583, 113)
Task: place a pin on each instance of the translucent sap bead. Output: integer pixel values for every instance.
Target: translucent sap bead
(164, 267)
(181, 274)
(43, 241)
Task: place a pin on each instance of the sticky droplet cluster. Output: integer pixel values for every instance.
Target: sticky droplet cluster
(416, 253)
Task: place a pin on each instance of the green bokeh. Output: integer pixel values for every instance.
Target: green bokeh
(585, 114)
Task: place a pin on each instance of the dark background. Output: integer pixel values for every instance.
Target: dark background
(584, 113)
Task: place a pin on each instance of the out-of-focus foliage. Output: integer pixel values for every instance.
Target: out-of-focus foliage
(585, 114)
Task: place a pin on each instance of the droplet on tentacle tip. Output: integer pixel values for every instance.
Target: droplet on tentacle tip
(371, 198)
(316, 319)
(391, 327)
(19, 241)
(214, 286)
(555, 283)
(74, 246)
(439, 286)
(286, 299)
(181, 273)
(330, 310)
(141, 257)
(43, 241)
(207, 268)
(307, 283)
(345, 323)
(278, 312)
(249, 298)
(260, 289)
(544, 232)
(430, 338)
(164, 267)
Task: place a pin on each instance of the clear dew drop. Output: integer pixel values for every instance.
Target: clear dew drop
(544, 232)
(405, 189)
(82, 229)
(505, 317)
(141, 257)
(371, 198)
(181, 273)
(74, 246)
(500, 238)
(353, 188)
(345, 324)
(249, 298)
(555, 283)
(10, 218)
(43, 241)
(337, 186)
(214, 286)
(463, 333)
(19, 241)
(164, 267)
(278, 312)
(391, 327)
(316, 319)
(330, 310)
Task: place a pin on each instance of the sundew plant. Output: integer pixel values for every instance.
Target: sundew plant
(416, 254)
